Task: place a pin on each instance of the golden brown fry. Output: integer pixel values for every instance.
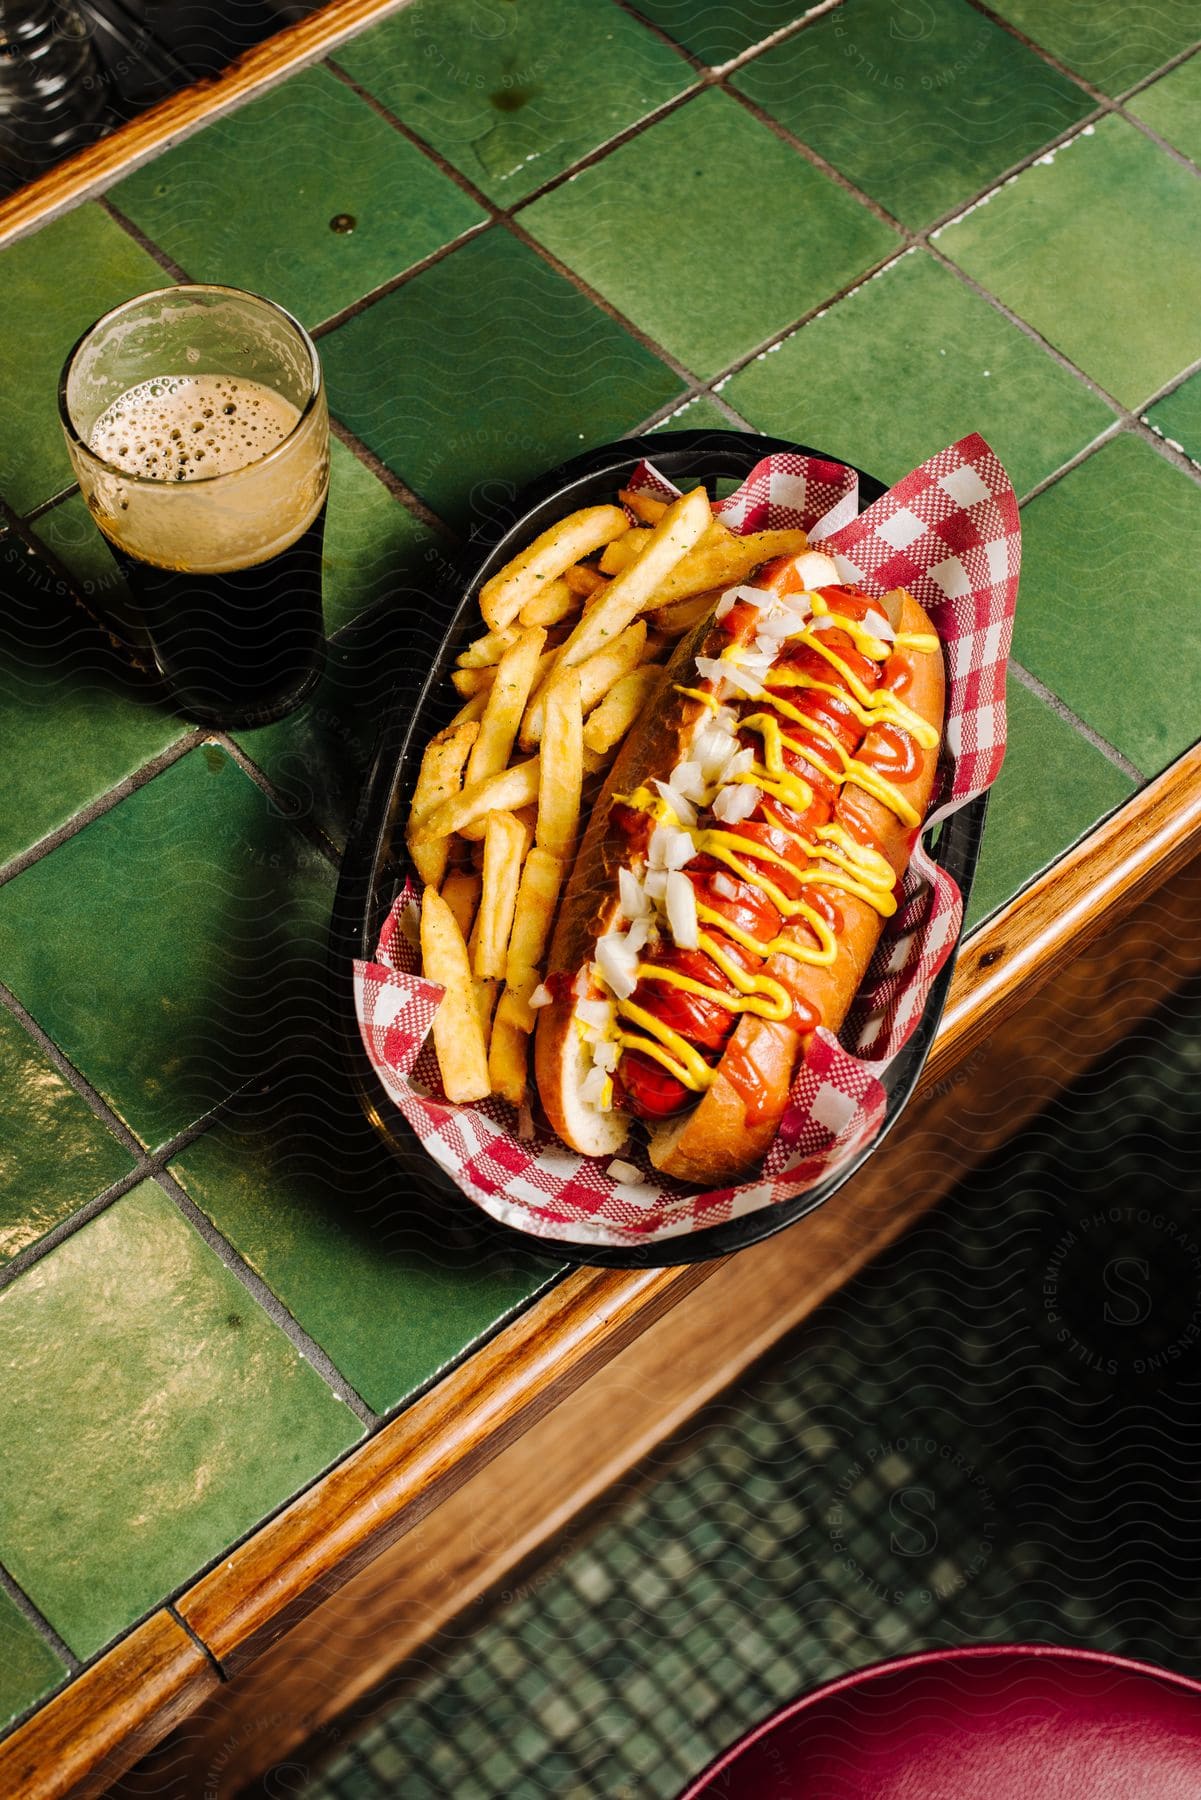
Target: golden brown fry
(512, 788)
(620, 707)
(473, 681)
(482, 652)
(438, 781)
(509, 1050)
(471, 710)
(597, 676)
(724, 561)
(561, 766)
(507, 697)
(461, 892)
(557, 601)
(584, 580)
(622, 551)
(680, 616)
(537, 898)
(458, 1037)
(504, 848)
(643, 506)
(547, 558)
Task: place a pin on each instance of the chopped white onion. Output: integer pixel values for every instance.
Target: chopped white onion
(656, 884)
(736, 802)
(747, 680)
(879, 627)
(742, 764)
(634, 903)
(541, 996)
(626, 1172)
(638, 934)
(669, 848)
(594, 1086)
(617, 959)
(682, 808)
(712, 668)
(725, 603)
(754, 596)
(686, 779)
(681, 910)
(816, 569)
(597, 1013)
(604, 1055)
(712, 750)
(725, 885)
(776, 625)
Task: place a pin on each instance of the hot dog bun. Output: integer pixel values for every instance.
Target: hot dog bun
(733, 1122)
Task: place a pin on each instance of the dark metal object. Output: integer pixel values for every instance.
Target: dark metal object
(52, 91)
(376, 863)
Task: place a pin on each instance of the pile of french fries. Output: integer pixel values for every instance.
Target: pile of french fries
(579, 629)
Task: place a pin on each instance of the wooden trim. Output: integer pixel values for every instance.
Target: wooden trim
(524, 1500)
(95, 168)
(111, 1714)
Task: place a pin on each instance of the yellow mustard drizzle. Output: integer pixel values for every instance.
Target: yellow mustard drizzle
(838, 860)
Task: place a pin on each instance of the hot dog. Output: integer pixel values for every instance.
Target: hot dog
(738, 869)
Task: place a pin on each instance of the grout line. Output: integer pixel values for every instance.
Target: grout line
(1063, 711)
(1073, 462)
(363, 301)
(40, 1623)
(275, 1309)
(166, 263)
(44, 506)
(104, 803)
(815, 158)
(1146, 81)
(197, 1640)
(311, 832)
(398, 489)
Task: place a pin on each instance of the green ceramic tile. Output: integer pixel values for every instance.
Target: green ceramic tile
(54, 1152)
(173, 946)
(506, 93)
(1172, 106)
(950, 364)
(1120, 304)
(717, 30)
(497, 368)
(1113, 46)
(1178, 417)
(1052, 789)
(52, 286)
(919, 110)
(372, 542)
(173, 1413)
(699, 414)
(29, 1668)
(1116, 541)
(809, 236)
(70, 534)
(76, 719)
(392, 1286)
(235, 203)
(316, 758)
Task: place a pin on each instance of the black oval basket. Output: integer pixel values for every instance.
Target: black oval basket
(376, 863)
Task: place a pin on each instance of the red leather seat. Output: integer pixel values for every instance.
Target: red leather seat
(994, 1722)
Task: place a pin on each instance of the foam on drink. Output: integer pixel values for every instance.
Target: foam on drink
(187, 427)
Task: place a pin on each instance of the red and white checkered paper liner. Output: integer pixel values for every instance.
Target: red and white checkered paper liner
(949, 532)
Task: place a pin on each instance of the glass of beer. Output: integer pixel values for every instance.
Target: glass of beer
(197, 425)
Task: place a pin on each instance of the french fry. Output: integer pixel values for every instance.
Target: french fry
(620, 707)
(509, 1051)
(473, 681)
(506, 703)
(642, 506)
(556, 601)
(680, 616)
(504, 848)
(512, 788)
(724, 561)
(438, 781)
(471, 710)
(487, 649)
(561, 766)
(458, 1036)
(547, 558)
(584, 579)
(461, 892)
(537, 897)
(621, 552)
(627, 594)
(597, 676)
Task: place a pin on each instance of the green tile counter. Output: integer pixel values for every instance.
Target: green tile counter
(513, 238)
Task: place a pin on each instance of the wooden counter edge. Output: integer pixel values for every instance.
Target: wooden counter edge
(93, 169)
(80, 1740)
